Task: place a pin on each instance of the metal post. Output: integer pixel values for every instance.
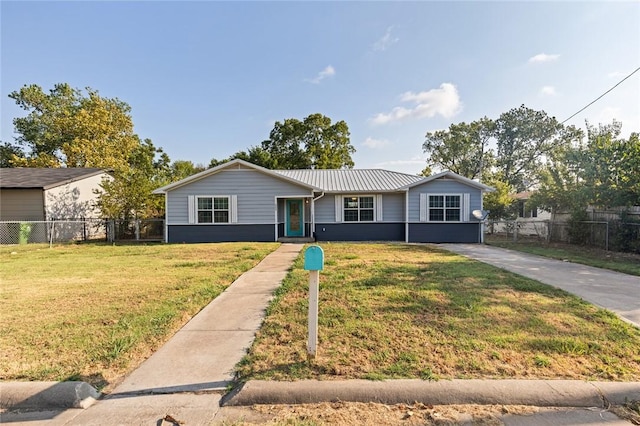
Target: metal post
(312, 342)
(53, 225)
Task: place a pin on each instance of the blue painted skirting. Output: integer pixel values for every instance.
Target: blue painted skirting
(220, 233)
(380, 231)
(444, 232)
(418, 232)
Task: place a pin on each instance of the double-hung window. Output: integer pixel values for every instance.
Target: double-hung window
(358, 209)
(213, 209)
(444, 208)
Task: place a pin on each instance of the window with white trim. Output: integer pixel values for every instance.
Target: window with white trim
(213, 210)
(444, 208)
(358, 209)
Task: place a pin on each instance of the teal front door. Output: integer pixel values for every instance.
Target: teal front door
(294, 219)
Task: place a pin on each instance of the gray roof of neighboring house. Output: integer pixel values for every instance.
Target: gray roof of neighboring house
(352, 180)
(41, 178)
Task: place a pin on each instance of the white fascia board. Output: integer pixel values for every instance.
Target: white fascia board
(217, 169)
(454, 176)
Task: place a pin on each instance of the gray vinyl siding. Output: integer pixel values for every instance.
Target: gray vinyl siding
(21, 204)
(392, 207)
(442, 186)
(325, 209)
(255, 191)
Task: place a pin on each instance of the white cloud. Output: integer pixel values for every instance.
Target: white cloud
(607, 115)
(329, 71)
(411, 162)
(385, 41)
(543, 57)
(375, 143)
(616, 74)
(443, 101)
(548, 91)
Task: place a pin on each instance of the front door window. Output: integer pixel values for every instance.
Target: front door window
(294, 219)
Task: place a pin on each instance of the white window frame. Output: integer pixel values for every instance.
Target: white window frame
(232, 209)
(358, 209)
(427, 207)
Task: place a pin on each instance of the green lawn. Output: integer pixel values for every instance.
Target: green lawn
(95, 311)
(413, 311)
(621, 262)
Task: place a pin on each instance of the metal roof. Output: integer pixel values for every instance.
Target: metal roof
(342, 180)
(40, 178)
(352, 180)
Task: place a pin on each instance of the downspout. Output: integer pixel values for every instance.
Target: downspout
(406, 215)
(313, 214)
(166, 222)
(483, 220)
(275, 215)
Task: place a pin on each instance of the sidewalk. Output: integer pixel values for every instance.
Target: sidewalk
(617, 292)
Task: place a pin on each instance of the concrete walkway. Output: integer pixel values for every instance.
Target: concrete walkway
(617, 292)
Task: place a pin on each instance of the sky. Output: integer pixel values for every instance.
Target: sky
(206, 79)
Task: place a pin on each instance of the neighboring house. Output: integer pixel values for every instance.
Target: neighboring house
(32, 199)
(528, 212)
(35, 194)
(239, 201)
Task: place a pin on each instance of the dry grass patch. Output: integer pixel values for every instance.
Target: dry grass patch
(411, 311)
(358, 413)
(95, 311)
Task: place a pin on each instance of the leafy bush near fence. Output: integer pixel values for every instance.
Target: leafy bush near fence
(626, 234)
(579, 231)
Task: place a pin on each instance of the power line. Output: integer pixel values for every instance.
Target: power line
(599, 97)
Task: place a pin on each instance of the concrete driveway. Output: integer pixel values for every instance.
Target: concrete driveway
(617, 292)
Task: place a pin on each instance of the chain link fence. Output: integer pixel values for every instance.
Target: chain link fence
(607, 235)
(51, 231)
(61, 231)
(135, 230)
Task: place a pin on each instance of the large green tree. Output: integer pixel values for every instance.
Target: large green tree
(603, 171)
(68, 128)
(463, 148)
(525, 138)
(129, 194)
(313, 143)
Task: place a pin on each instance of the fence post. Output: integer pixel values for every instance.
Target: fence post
(137, 225)
(515, 231)
(606, 238)
(111, 229)
(53, 230)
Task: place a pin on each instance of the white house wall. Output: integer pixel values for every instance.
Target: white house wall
(74, 200)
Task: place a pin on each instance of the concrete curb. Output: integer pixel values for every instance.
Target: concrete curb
(47, 395)
(541, 393)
